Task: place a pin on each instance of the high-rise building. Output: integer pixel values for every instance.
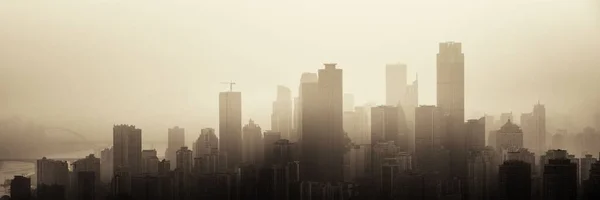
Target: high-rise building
(252, 143)
(149, 162)
(282, 152)
(306, 78)
(586, 166)
(20, 188)
(509, 137)
(52, 172)
(230, 127)
(184, 160)
(490, 125)
(127, 149)
(310, 136)
(85, 187)
(482, 172)
(475, 130)
(560, 180)
(514, 180)
(521, 154)
(176, 140)
(362, 130)
(281, 119)
(270, 140)
(410, 105)
(429, 135)
(351, 125)
(331, 100)
(384, 125)
(348, 102)
(106, 165)
(395, 84)
(88, 164)
(592, 185)
(205, 142)
(451, 100)
(539, 128)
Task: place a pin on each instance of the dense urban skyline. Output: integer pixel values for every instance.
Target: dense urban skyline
(512, 113)
(558, 39)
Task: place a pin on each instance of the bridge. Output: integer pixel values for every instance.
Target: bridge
(34, 160)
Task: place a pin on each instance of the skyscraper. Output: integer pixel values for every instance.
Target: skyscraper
(252, 144)
(451, 100)
(305, 78)
(331, 100)
(475, 130)
(515, 180)
(52, 172)
(539, 128)
(230, 127)
(88, 164)
(149, 161)
(281, 119)
(429, 135)
(509, 137)
(106, 165)
(384, 125)
(184, 160)
(410, 105)
(205, 142)
(395, 83)
(127, 149)
(270, 140)
(176, 140)
(310, 135)
(560, 180)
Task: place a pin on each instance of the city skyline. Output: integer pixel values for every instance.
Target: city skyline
(553, 50)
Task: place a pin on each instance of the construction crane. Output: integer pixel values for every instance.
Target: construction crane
(230, 83)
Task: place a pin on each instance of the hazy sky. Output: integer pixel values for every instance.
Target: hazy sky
(158, 64)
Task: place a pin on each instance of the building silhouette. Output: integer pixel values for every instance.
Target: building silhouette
(281, 118)
(184, 160)
(230, 128)
(384, 124)
(309, 126)
(475, 133)
(252, 144)
(86, 185)
(176, 139)
(451, 101)
(270, 142)
(560, 179)
(52, 172)
(305, 78)
(127, 149)
(205, 142)
(509, 137)
(429, 136)
(331, 100)
(20, 188)
(149, 161)
(514, 180)
(106, 165)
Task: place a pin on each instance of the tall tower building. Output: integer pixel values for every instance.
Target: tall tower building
(560, 180)
(539, 128)
(395, 83)
(514, 180)
(451, 100)
(429, 135)
(305, 78)
(252, 144)
(176, 140)
(205, 143)
(184, 160)
(281, 119)
(127, 149)
(230, 127)
(410, 105)
(331, 95)
(384, 125)
(475, 130)
(270, 140)
(88, 164)
(310, 135)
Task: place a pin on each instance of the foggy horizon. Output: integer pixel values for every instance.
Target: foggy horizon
(87, 66)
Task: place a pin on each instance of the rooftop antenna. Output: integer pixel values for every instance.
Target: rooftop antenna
(230, 83)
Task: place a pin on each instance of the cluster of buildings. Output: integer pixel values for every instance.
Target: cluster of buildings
(323, 147)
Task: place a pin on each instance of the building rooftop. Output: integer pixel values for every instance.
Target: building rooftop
(510, 127)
